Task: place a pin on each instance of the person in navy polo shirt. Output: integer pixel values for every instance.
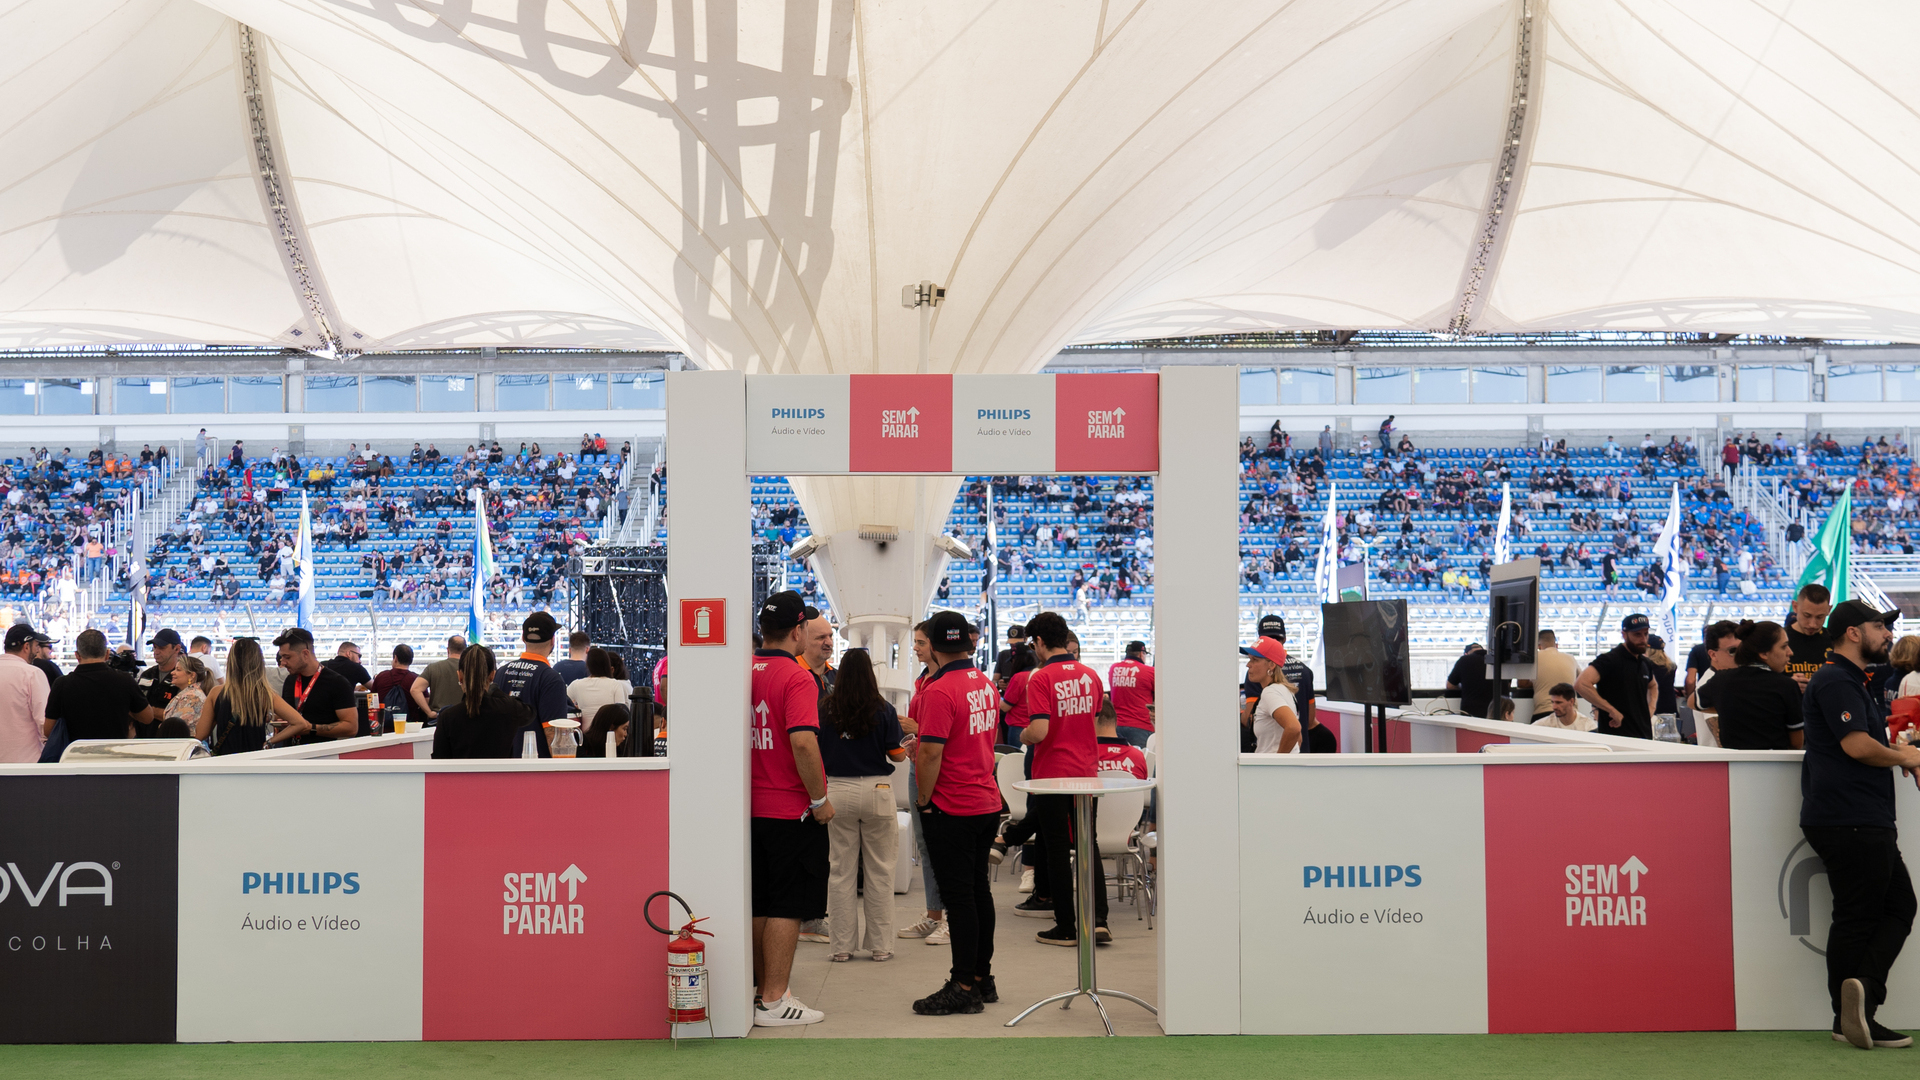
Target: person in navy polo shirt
(1063, 698)
(959, 803)
(790, 810)
(1847, 814)
(1130, 687)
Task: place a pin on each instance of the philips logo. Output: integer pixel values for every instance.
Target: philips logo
(1357, 877)
(1004, 414)
(298, 884)
(799, 414)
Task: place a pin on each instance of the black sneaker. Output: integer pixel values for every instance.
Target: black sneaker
(997, 852)
(949, 999)
(1034, 908)
(1058, 936)
(1102, 936)
(988, 991)
(1886, 1037)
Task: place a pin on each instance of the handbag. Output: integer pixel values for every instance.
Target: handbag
(57, 744)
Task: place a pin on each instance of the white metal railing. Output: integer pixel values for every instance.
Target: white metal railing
(651, 520)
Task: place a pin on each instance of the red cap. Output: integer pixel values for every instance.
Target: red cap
(1267, 649)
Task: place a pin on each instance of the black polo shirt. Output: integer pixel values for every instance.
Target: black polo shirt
(1757, 705)
(1623, 685)
(96, 702)
(1836, 790)
(1476, 690)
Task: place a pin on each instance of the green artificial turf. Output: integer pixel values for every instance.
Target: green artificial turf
(1698, 1056)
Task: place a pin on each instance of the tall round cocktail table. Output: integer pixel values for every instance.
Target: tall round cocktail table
(1084, 789)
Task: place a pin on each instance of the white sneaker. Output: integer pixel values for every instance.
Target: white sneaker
(1026, 880)
(922, 928)
(940, 936)
(787, 1012)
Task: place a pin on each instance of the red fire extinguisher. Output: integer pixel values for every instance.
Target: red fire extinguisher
(686, 965)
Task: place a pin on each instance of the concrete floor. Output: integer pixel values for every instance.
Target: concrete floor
(865, 1000)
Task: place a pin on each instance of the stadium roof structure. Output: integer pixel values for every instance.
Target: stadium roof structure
(753, 181)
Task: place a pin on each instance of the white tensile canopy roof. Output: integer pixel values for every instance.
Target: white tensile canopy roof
(753, 181)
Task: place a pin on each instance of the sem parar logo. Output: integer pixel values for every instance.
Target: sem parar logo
(1595, 899)
(900, 423)
(1106, 423)
(533, 907)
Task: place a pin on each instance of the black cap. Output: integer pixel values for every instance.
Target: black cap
(1851, 613)
(948, 632)
(295, 635)
(782, 612)
(1635, 622)
(167, 636)
(1136, 647)
(1273, 626)
(539, 627)
(20, 633)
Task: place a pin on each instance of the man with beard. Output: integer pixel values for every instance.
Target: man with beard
(1807, 633)
(1619, 684)
(1847, 815)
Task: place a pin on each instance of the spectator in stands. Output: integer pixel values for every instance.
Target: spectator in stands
(95, 701)
(438, 687)
(530, 677)
(346, 664)
(599, 688)
(1758, 704)
(243, 713)
(1468, 680)
(574, 667)
(1807, 637)
(192, 680)
(860, 740)
(487, 722)
(320, 694)
(157, 681)
(1563, 710)
(1386, 434)
(394, 686)
(1273, 718)
(1619, 684)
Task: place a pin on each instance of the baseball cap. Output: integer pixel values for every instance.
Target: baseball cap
(1136, 646)
(20, 633)
(1851, 613)
(948, 632)
(1266, 648)
(292, 635)
(782, 612)
(1273, 626)
(538, 628)
(167, 636)
(1634, 622)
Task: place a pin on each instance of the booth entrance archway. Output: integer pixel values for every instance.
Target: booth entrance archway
(854, 425)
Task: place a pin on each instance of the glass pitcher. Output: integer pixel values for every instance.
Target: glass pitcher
(564, 740)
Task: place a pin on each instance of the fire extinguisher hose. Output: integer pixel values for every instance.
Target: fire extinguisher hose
(646, 912)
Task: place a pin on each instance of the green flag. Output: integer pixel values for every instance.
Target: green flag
(1828, 563)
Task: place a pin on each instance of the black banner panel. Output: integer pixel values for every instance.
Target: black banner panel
(89, 908)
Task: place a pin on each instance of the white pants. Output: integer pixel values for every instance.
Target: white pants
(863, 828)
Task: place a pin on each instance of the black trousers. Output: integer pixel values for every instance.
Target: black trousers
(958, 846)
(1056, 833)
(1873, 906)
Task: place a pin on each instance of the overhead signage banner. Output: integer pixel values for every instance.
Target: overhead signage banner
(800, 425)
(88, 896)
(309, 929)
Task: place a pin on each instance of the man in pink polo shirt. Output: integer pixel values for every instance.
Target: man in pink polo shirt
(1063, 698)
(1130, 688)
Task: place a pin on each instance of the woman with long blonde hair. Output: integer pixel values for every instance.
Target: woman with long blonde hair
(1275, 717)
(242, 714)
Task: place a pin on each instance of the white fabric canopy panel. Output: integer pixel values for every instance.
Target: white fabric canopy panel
(754, 180)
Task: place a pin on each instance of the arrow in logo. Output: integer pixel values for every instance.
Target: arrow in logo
(763, 711)
(1634, 868)
(913, 414)
(1119, 414)
(573, 877)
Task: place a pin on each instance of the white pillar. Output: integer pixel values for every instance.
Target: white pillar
(1196, 615)
(709, 554)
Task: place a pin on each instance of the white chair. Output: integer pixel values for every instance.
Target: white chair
(1118, 815)
(1009, 771)
(903, 799)
(1153, 744)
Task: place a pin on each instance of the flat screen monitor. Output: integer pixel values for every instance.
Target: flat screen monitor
(1514, 601)
(1366, 643)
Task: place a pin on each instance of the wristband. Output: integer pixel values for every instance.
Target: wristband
(817, 803)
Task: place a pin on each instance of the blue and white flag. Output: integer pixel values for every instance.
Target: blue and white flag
(1326, 574)
(303, 558)
(1672, 561)
(1503, 538)
(482, 570)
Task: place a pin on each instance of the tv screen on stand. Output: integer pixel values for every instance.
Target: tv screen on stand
(1366, 650)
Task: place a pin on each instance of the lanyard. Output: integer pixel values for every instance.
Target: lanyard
(300, 692)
